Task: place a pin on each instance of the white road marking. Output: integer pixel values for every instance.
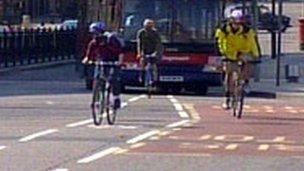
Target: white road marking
(133, 99)
(288, 107)
(121, 151)
(177, 124)
(216, 107)
(177, 129)
(269, 111)
(137, 145)
(164, 133)
(263, 147)
(173, 100)
(98, 155)
(111, 127)
(213, 146)
(2, 147)
(124, 104)
(178, 107)
(292, 111)
(142, 137)
(61, 169)
(80, 123)
(183, 114)
(154, 138)
(231, 147)
(279, 139)
(49, 102)
(268, 107)
(193, 113)
(36, 135)
(222, 137)
(205, 137)
(170, 97)
(247, 107)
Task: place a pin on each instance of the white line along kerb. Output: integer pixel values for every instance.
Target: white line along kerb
(36, 135)
(142, 137)
(98, 155)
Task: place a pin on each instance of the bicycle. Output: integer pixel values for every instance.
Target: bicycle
(238, 94)
(150, 72)
(103, 92)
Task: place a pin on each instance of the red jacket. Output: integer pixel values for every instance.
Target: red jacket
(96, 51)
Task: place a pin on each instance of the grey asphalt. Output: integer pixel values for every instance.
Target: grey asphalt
(44, 99)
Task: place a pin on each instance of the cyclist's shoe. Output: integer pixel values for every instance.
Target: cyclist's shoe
(226, 105)
(117, 103)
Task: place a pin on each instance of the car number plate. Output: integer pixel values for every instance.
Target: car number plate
(171, 78)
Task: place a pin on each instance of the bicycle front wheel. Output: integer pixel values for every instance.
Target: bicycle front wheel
(97, 104)
(149, 81)
(110, 108)
(240, 104)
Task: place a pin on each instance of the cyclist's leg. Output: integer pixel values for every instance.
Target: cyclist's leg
(155, 70)
(229, 82)
(142, 64)
(116, 85)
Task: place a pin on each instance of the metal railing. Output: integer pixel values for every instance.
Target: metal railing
(32, 46)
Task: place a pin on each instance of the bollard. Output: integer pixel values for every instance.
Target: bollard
(301, 29)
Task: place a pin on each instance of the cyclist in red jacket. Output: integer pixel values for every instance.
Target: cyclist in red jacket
(105, 47)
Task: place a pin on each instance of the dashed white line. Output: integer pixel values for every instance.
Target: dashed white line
(80, 123)
(279, 139)
(177, 124)
(263, 147)
(172, 100)
(231, 147)
(183, 114)
(205, 137)
(98, 155)
(178, 107)
(36, 135)
(142, 137)
(61, 169)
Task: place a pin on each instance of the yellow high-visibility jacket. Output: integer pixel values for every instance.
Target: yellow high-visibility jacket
(242, 41)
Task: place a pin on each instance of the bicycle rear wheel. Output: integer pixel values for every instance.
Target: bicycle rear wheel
(110, 108)
(97, 105)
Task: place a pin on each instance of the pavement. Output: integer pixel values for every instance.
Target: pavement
(267, 83)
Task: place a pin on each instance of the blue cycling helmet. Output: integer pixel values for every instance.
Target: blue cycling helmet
(97, 27)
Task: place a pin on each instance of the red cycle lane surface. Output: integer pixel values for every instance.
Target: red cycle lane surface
(270, 130)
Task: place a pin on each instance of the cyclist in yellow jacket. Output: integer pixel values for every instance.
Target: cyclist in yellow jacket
(237, 41)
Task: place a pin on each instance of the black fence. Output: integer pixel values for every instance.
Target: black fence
(24, 47)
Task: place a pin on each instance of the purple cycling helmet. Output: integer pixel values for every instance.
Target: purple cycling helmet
(97, 27)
